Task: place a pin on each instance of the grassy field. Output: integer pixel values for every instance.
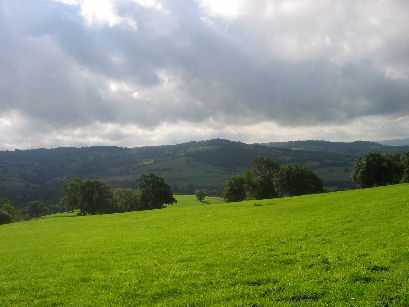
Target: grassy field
(191, 200)
(340, 249)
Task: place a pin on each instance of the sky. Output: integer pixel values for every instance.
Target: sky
(153, 72)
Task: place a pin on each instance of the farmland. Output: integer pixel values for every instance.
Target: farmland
(341, 248)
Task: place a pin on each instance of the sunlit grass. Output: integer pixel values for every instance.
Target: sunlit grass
(344, 248)
(191, 200)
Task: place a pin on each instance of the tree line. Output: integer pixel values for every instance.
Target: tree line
(8, 212)
(96, 197)
(377, 169)
(266, 179)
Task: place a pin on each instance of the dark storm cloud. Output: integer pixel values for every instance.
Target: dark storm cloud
(319, 65)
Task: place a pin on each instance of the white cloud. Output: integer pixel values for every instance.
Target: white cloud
(150, 4)
(101, 12)
(395, 74)
(225, 8)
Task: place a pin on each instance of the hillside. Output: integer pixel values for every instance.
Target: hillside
(396, 142)
(344, 248)
(351, 149)
(26, 175)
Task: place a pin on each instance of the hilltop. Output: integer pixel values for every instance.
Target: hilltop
(26, 175)
(344, 248)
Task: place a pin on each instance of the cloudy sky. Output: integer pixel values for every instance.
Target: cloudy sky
(150, 72)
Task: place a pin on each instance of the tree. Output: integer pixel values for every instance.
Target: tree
(154, 192)
(405, 166)
(200, 195)
(5, 217)
(126, 199)
(394, 168)
(235, 189)
(72, 200)
(260, 179)
(96, 197)
(36, 208)
(7, 211)
(7, 207)
(295, 180)
(376, 169)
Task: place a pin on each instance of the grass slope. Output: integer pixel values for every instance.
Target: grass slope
(343, 248)
(191, 200)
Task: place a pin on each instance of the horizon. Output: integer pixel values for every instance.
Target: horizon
(379, 142)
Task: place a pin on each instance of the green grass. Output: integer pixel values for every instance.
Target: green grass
(191, 200)
(339, 249)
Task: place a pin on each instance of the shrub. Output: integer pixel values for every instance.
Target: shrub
(200, 195)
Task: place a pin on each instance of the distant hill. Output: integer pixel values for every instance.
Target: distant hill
(354, 149)
(396, 142)
(26, 175)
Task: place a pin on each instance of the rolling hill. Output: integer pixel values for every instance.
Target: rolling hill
(26, 175)
(396, 142)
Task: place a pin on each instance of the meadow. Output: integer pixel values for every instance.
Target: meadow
(341, 249)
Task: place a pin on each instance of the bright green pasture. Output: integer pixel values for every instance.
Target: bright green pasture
(339, 249)
(191, 200)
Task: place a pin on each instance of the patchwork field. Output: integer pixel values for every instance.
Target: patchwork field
(343, 248)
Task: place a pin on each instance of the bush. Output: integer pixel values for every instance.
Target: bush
(200, 195)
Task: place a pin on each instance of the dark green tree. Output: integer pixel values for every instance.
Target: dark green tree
(154, 192)
(5, 217)
(405, 166)
(200, 195)
(235, 189)
(36, 208)
(7, 211)
(126, 199)
(394, 168)
(376, 169)
(72, 199)
(295, 180)
(96, 198)
(260, 178)
(7, 206)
